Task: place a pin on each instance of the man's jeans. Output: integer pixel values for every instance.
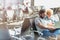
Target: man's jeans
(47, 33)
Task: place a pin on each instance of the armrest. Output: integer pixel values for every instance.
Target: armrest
(40, 33)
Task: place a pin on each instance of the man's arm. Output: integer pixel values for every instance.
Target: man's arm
(42, 26)
(39, 24)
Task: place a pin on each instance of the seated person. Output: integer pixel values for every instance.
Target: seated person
(11, 14)
(42, 25)
(3, 15)
(52, 17)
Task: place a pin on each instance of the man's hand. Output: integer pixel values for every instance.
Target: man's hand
(51, 28)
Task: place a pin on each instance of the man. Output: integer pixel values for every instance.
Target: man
(42, 25)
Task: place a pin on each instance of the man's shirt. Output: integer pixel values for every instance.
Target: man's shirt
(40, 20)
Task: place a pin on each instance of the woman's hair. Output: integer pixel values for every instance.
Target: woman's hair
(49, 11)
(42, 11)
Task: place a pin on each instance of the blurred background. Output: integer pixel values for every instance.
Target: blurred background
(16, 17)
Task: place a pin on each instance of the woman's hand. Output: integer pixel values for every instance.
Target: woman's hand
(50, 24)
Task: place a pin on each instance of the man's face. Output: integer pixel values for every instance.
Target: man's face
(42, 15)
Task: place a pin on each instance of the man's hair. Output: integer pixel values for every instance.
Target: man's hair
(42, 11)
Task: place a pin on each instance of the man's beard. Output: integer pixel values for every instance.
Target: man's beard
(41, 17)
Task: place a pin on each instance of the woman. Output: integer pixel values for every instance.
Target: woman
(51, 19)
(49, 13)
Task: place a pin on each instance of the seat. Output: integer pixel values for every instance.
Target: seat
(25, 24)
(26, 30)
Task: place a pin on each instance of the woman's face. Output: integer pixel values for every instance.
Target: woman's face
(49, 14)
